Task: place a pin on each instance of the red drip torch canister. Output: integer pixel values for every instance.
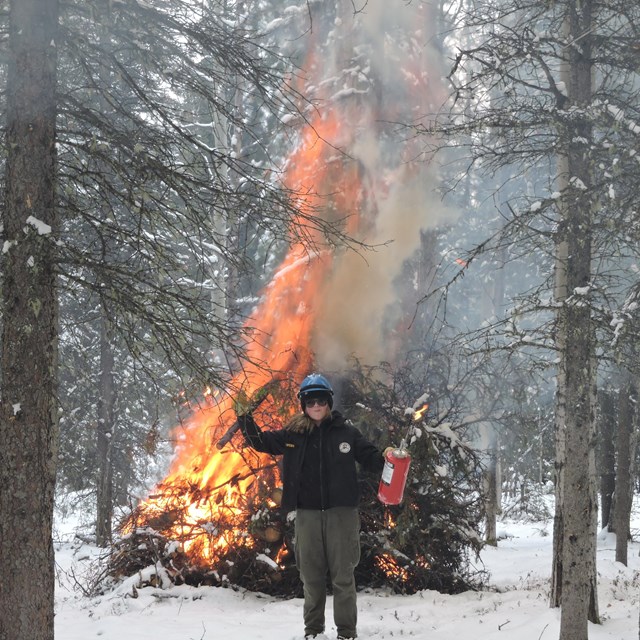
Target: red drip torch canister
(394, 475)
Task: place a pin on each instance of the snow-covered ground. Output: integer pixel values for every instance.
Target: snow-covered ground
(515, 607)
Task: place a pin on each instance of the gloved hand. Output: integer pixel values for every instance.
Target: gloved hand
(387, 450)
(242, 405)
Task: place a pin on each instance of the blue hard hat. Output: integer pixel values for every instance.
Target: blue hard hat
(315, 384)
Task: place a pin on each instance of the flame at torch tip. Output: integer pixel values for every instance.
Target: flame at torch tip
(419, 413)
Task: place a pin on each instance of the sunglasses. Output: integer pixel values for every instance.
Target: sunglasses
(312, 402)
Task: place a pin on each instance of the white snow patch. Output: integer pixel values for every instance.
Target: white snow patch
(515, 606)
(42, 228)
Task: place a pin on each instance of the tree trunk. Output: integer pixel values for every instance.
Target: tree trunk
(491, 484)
(104, 484)
(560, 295)
(106, 391)
(492, 475)
(29, 412)
(625, 441)
(606, 440)
(579, 595)
(579, 502)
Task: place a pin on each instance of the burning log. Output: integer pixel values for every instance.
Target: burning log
(164, 520)
(276, 496)
(269, 534)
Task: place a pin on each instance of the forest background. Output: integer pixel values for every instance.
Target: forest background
(149, 199)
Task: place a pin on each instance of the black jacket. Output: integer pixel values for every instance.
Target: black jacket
(318, 466)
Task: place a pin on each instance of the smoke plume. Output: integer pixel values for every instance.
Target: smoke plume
(380, 73)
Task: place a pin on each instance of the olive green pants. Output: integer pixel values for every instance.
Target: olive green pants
(328, 542)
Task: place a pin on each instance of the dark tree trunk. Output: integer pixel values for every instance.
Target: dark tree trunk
(492, 474)
(624, 484)
(579, 596)
(607, 461)
(104, 484)
(491, 485)
(29, 412)
(559, 424)
(106, 391)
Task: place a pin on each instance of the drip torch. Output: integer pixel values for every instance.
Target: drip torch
(396, 465)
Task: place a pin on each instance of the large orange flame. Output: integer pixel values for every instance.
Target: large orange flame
(205, 498)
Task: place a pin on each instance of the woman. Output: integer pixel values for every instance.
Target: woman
(320, 483)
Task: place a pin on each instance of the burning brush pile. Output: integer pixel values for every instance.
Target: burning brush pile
(229, 531)
(214, 520)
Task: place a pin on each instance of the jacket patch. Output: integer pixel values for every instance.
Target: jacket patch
(344, 447)
(290, 444)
